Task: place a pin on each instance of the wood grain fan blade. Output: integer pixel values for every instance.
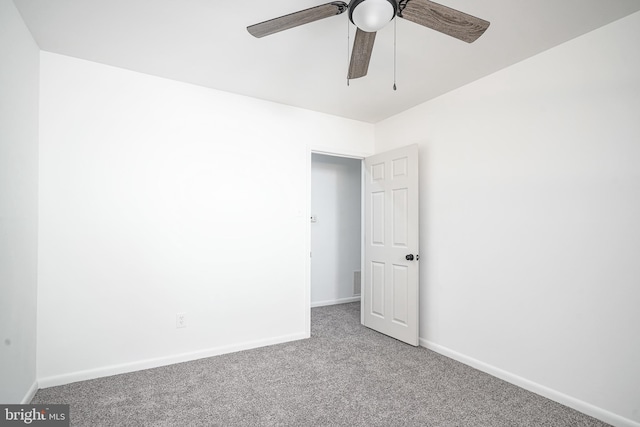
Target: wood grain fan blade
(443, 19)
(361, 54)
(297, 18)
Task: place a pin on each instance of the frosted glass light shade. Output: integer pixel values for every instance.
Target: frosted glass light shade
(372, 15)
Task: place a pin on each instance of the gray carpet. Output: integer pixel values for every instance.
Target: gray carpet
(344, 375)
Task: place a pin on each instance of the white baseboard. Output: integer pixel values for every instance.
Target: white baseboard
(578, 405)
(30, 393)
(335, 301)
(107, 371)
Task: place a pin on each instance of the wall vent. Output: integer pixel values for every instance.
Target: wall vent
(356, 283)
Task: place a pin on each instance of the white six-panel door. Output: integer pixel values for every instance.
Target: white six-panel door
(390, 290)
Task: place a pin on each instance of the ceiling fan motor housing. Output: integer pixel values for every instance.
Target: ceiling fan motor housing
(372, 15)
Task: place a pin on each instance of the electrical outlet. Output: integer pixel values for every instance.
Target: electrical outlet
(181, 320)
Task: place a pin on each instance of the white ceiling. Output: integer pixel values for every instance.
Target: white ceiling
(205, 42)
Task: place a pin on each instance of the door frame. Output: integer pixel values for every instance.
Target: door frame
(334, 152)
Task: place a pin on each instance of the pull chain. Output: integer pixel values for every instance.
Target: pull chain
(395, 33)
(348, 47)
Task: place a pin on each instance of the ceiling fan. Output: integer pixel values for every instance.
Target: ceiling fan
(369, 16)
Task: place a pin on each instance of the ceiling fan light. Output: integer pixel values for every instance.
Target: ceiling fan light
(372, 15)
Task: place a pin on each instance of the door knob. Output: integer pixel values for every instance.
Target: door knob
(409, 257)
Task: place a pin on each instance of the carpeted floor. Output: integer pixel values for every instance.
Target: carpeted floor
(344, 375)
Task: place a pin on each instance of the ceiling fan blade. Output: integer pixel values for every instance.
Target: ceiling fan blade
(297, 18)
(361, 54)
(443, 19)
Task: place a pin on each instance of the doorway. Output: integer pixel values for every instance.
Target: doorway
(336, 229)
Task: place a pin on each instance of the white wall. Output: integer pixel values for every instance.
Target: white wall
(335, 237)
(530, 230)
(158, 197)
(19, 70)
